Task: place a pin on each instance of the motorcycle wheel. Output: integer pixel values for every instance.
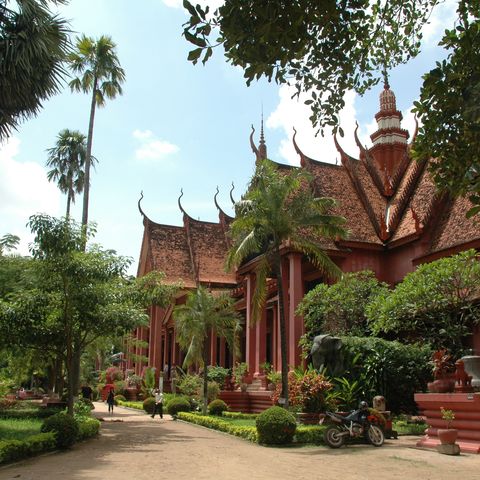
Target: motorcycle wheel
(375, 436)
(333, 438)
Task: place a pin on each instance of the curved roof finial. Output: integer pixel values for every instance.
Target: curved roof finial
(357, 140)
(180, 203)
(215, 199)
(252, 144)
(415, 133)
(140, 206)
(231, 192)
(297, 149)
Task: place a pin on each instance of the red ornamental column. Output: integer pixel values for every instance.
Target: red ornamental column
(213, 348)
(250, 331)
(222, 352)
(295, 322)
(156, 340)
(151, 336)
(136, 349)
(260, 342)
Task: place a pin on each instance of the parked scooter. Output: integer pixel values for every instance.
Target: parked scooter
(358, 423)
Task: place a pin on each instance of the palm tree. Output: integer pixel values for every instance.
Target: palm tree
(102, 76)
(67, 158)
(280, 207)
(203, 313)
(8, 242)
(33, 46)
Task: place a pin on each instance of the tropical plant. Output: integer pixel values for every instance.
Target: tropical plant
(436, 303)
(447, 415)
(67, 159)
(149, 378)
(189, 385)
(8, 242)
(33, 45)
(203, 313)
(308, 390)
(281, 207)
(102, 76)
(217, 374)
(239, 371)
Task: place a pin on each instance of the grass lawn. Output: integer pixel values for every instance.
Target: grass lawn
(18, 429)
(239, 422)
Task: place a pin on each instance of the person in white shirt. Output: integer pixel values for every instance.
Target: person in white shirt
(158, 403)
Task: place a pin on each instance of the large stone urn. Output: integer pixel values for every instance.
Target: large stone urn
(472, 367)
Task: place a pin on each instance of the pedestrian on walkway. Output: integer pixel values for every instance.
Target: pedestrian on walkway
(111, 401)
(158, 408)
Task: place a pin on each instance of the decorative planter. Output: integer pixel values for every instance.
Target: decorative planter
(472, 367)
(442, 385)
(447, 436)
(131, 393)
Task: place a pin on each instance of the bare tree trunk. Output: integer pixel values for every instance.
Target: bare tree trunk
(88, 160)
(283, 329)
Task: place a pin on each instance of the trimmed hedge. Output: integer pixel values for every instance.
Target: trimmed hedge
(217, 407)
(11, 450)
(65, 428)
(177, 405)
(240, 415)
(215, 423)
(149, 405)
(40, 412)
(312, 434)
(87, 428)
(276, 426)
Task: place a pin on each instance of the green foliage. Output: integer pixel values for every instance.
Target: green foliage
(215, 423)
(217, 374)
(82, 408)
(311, 434)
(213, 390)
(149, 405)
(149, 378)
(346, 393)
(391, 369)
(239, 370)
(11, 450)
(33, 45)
(339, 309)
(217, 407)
(13, 428)
(275, 426)
(87, 428)
(323, 48)
(65, 428)
(449, 110)
(190, 385)
(307, 390)
(8, 242)
(434, 304)
(240, 415)
(178, 404)
(119, 398)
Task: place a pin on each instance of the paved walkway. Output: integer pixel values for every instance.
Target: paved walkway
(133, 445)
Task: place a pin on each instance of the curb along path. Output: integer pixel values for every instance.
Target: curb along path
(133, 445)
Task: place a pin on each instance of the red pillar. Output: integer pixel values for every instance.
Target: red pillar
(222, 352)
(260, 342)
(295, 322)
(250, 330)
(156, 340)
(213, 348)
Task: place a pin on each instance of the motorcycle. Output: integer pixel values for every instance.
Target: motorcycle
(358, 423)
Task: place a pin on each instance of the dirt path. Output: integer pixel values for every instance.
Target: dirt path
(142, 448)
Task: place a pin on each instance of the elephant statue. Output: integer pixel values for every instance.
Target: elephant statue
(326, 353)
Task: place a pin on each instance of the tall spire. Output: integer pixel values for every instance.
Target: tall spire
(262, 147)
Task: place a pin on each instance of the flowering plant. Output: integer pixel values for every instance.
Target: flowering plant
(442, 364)
(306, 390)
(448, 416)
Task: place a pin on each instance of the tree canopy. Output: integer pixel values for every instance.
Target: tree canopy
(437, 303)
(33, 47)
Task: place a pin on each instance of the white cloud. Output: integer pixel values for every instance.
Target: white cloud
(294, 113)
(24, 191)
(442, 17)
(173, 3)
(152, 148)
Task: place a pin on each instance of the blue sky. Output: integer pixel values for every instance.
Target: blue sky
(176, 126)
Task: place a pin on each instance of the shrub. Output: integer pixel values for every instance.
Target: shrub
(65, 428)
(388, 368)
(312, 434)
(11, 450)
(190, 385)
(82, 407)
(88, 428)
(217, 407)
(217, 374)
(120, 386)
(276, 426)
(178, 404)
(120, 398)
(213, 390)
(149, 405)
(113, 374)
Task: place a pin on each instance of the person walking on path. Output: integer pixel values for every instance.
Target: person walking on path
(158, 408)
(111, 401)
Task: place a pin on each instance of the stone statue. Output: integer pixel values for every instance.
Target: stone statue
(326, 353)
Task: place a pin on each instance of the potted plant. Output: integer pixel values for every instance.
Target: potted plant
(265, 369)
(449, 435)
(273, 378)
(443, 372)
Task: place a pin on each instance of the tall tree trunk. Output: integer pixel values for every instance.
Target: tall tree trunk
(69, 200)
(69, 364)
(205, 376)
(283, 328)
(86, 188)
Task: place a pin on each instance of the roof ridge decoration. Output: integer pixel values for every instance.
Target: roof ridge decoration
(347, 163)
(406, 195)
(231, 194)
(140, 209)
(304, 160)
(186, 225)
(261, 152)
